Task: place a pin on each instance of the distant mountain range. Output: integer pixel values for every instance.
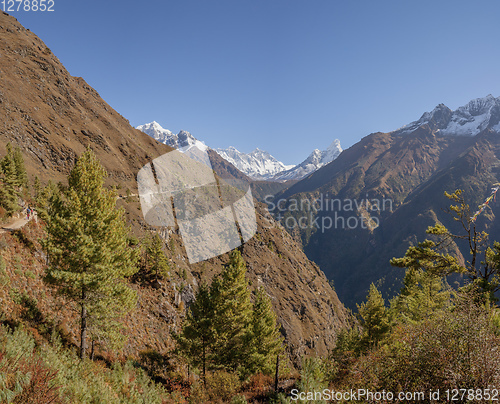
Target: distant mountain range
(182, 140)
(468, 120)
(258, 164)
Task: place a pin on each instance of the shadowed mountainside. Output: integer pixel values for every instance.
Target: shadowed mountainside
(406, 172)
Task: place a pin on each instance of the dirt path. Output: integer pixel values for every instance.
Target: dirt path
(14, 224)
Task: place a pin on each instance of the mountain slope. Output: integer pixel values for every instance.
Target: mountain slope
(53, 117)
(402, 175)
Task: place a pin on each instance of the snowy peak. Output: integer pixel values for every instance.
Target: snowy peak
(468, 120)
(479, 106)
(331, 153)
(182, 141)
(258, 164)
(313, 162)
(154, 130)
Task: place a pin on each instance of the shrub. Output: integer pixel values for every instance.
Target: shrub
(312, 377)
(48, 373)
(24, 378)
(222, 385)
(239, 400)
(198, 394)
(260, 383)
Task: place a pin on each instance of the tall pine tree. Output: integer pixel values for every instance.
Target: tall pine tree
(156, 262)
(12, 180)
(374, 318)
(197, 340)
(223, 330)
(89, 257)
(233, 314)
(21, 174)
(422, 295)
(266, 341)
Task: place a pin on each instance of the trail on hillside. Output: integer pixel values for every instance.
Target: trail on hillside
(16, 224)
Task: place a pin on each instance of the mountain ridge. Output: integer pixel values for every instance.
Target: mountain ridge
(259, 164)
(468, 120)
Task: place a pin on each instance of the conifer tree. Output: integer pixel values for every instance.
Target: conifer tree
(233, 314)
(9, 191)
(89, 257)
(156, 261)
(422, 295)
(223, 330)
(44, 196)
(197, 340)
(9, 167)
(431, 255)
(21, 174)
(266, 340)
(374, 318)
(37, 186)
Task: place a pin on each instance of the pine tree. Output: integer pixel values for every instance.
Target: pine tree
(9, 191)
(233, 314)
(21, 174)
(89, 258)
(37, 187)
(222, 331)
(431, 255)
(266, 340)
(197, 340)
(156, 261)
(44, 196)
(374, 318)
(422, 295)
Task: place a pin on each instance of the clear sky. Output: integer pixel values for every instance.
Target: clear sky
(286, 76)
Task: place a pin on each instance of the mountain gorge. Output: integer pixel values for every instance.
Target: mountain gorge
(403, 175)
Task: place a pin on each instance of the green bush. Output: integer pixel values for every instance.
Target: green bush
(198, 393)
(223, 385)
(312, 377)
(239, 400)
(30, 375)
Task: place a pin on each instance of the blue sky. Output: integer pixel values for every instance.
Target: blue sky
(286, 76)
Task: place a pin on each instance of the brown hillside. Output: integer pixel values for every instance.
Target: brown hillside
(53, 117)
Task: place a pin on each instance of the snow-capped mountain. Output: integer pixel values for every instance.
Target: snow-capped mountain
(258, 164)
(182, 141)
(316, 160)
(468, 120)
